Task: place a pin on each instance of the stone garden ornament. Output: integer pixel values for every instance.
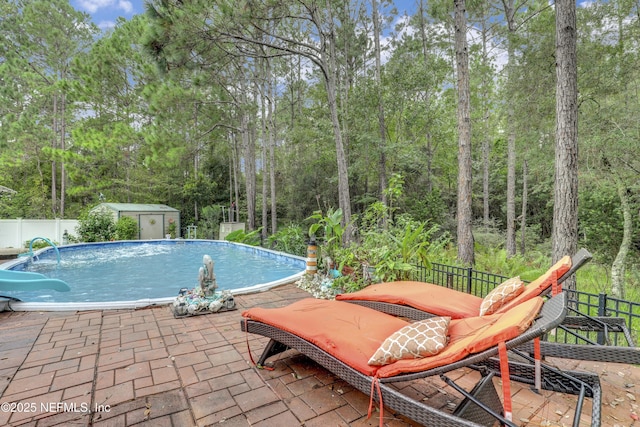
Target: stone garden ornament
(203, 299)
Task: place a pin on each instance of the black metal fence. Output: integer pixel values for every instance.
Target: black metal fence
(479, 283)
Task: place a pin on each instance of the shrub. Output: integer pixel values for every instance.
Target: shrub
(96, 227)
(290, 239)
(126, 229)
(172, 229)
(38, 244)
(209, 222)
(252, 238)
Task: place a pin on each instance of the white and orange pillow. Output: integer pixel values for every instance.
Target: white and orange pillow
(420, 339)
(501, 295)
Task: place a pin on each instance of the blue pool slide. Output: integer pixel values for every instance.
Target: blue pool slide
(28, 281)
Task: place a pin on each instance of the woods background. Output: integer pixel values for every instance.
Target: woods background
(266, 111)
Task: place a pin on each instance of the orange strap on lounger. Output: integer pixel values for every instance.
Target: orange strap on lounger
(537, 356)
(375, 384)
(506, 380)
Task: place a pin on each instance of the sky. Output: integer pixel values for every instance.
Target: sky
(105, 12)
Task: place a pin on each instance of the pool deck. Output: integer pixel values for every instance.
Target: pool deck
(144, 367)
(7, 254)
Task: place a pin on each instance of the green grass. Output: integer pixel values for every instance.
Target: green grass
(593, 277)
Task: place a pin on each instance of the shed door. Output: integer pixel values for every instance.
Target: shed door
(151, 226)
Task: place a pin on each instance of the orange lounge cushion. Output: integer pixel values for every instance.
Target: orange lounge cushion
(469, 336)
(434, 299)
(353, 333)
(442, 301)
(348, 332)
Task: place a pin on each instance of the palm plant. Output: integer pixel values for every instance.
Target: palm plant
(404, 251)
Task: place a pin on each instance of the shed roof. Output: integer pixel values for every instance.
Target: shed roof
(4, 189)
(136, 207)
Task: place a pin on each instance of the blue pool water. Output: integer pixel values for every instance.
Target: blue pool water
(129, 271)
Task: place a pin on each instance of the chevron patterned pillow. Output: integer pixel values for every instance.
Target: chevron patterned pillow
(420, 339)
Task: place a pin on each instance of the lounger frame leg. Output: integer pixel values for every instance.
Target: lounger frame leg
(480, 402)
(581, 384)
(273, 347)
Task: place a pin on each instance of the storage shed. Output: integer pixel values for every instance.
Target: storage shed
(154, 221)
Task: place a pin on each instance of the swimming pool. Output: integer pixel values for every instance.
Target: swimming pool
(138, 273)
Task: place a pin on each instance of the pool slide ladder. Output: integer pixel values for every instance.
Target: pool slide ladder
(29, 281)
(31, 255)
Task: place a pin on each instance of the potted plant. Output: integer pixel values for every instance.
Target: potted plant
(172, 228)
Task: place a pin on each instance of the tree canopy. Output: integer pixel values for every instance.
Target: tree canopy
(266, 112)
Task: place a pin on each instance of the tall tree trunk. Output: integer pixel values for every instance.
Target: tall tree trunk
(54, 167)
(63, 130)
(485, 181)
(234, 191)
(265, 166)
(298, 86)
(464, 212)
(191, 135)
(249, 142)
(510, 244)
(486, 145)
(232, 172)
(265, 197)
(328, 64)
(343, 74)
(618, 267)
(565, 208)
(428, 136)
(523, 216)
(235, 209)
(272, 153)
(344, 199)
(382, 127)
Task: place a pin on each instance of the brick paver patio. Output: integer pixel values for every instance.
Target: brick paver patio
(144, 367)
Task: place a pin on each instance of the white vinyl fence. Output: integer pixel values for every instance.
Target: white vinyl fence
(16, 233)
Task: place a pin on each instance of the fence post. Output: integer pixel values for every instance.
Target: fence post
(58, 232)
(469, 272)
(19, 232)
(602, 311)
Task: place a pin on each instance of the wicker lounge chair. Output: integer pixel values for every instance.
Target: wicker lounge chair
(342, 337)
(417, 300)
